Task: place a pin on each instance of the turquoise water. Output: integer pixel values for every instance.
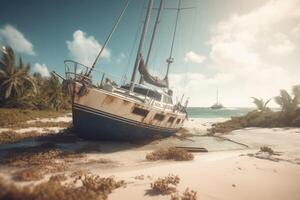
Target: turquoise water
(200, 112)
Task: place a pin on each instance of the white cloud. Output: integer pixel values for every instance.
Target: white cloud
(42, 69)
(84, 48)
(252, 54)
(282, 45)
(16, 40)
(194, 57)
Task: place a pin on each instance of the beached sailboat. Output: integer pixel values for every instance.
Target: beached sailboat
(113, 109)
(217, 105)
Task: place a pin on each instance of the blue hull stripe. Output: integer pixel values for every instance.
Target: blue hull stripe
(122, 119)
(94, 126)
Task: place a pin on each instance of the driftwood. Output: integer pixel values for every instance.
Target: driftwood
(192, 149)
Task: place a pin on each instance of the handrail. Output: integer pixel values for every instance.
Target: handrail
(73, 70)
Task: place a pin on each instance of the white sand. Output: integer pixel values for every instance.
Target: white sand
(66, 118)
(213, 175)
(226, 174)
(35, 129)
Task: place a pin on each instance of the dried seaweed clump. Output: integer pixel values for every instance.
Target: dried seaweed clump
(172, 153)
(187, 195)
(166, 185)
(12, 136)
(29, 174)
(92, 187)
(267, 149)
(38, 161)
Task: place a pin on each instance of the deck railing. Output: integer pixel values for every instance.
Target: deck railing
(78, 72)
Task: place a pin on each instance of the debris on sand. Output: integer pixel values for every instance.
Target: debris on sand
(267, 149)
(91, 187)
(172, 153)
(266, 153)
(187, 195)
(38, 161)
(166, 185)
(140, 177)
(80, 173)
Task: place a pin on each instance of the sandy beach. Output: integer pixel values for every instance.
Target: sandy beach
(229, 170)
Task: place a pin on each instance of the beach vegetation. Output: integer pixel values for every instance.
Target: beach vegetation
(186, 195)
(287, 116)
(91, 187)
(14, 117)
(267, 149)
(261, 105)
(19, 88)
(165, 185)
(171, 153)
(15, 80)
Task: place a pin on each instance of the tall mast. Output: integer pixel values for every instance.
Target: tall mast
(170, 60)
(141, 45)
(108, 38)
(153, 34)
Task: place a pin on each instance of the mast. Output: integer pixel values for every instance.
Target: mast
(170, 60)
(108, 38)
(153, 35)
(141, 45)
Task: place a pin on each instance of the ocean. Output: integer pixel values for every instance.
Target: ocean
(201, 112)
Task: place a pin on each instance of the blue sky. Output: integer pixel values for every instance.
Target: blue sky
(219, 43)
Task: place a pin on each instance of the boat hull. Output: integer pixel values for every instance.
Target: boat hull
(96, 125)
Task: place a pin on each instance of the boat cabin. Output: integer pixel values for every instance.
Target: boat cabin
(143, 90)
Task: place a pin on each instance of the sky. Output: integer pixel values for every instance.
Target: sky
(242, 48)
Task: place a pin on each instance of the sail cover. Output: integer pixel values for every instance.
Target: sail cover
(153, 80)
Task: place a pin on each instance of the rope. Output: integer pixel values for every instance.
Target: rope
(109, 36)
(175, 29)
(195, 15)
(135, 41)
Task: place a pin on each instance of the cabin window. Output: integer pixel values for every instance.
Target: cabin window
(178, 121)
(171, 119)
(167, 99)
(159, 117)
(144, 91)
(140, 111)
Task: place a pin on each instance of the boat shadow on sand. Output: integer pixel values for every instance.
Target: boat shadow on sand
(68, 142)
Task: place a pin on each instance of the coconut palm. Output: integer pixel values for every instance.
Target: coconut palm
(296, 92)
(261, 105)
(54, 94)
(288, 104)
(14, 80)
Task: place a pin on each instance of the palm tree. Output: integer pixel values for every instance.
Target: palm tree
(261, 105)
(296, 92)
(54, 94)
(289, 104)
(15, 81)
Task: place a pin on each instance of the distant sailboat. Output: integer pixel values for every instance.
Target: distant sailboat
(217, 105)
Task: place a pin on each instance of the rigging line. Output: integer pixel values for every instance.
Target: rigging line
(175, 29)
(109, 36)
(141, 45)
(135, 41)
(155, 29)
(195, 15)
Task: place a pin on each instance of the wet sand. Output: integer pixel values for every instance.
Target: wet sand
(225, 172)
